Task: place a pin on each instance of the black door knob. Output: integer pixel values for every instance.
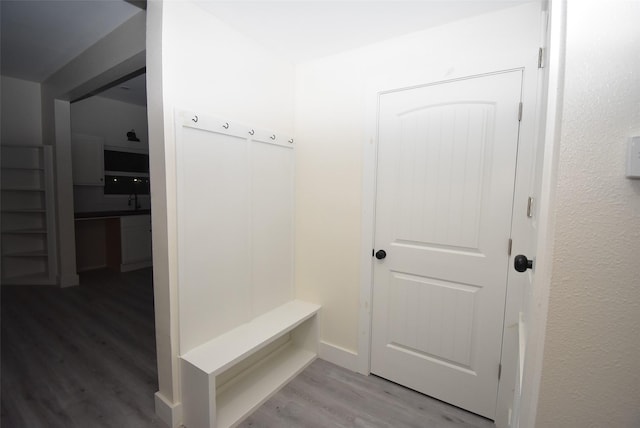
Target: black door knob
(381, 254)
(522, 263)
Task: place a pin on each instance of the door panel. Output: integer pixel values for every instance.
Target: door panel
(419, 310)
(446, 167)
(440, 203)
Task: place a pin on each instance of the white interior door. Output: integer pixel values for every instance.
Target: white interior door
(445, 184)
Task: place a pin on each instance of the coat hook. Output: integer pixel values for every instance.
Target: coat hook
(252, 132)
(226, 125)
(291, 141)
(273, 137)
(195, 119)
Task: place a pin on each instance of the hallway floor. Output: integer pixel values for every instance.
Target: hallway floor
(85, 357)
(81, 356)
(325, 395)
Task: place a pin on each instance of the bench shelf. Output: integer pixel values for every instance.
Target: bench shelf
(227, 378)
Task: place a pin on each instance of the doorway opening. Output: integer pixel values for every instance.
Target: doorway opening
(111, 180)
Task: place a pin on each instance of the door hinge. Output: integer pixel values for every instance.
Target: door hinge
(499, 370)
(520, 112)
(541, 58)
(510, 246)
(530, 207)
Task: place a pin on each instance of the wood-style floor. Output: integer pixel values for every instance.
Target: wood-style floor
(81, 356)
(85, 357)
(325, 395)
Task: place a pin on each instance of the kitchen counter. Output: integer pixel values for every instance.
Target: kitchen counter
(109, 214)
(118, 239)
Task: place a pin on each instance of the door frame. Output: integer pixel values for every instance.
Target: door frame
(532, 133)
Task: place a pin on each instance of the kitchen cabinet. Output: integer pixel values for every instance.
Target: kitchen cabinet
(135, 242)
(120, 240)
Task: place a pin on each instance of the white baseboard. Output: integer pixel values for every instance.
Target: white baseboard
(339, 356)
(69, 280)
(128, 267)
(169, 413)
(91, 267)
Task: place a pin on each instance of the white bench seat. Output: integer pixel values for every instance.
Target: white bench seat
(228, 377)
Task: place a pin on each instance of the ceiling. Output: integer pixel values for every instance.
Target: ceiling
(133, 91)
(39, 37)
(301, 30)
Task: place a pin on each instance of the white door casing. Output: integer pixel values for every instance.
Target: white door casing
(445, 183)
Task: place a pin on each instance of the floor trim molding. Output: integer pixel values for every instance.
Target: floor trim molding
(69, 280)
(170, 413)
(339, 356)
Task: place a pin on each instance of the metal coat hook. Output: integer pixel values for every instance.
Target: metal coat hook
(252, 132)
(291, 141)
(273, 137)
(226, 125)
(195, 119)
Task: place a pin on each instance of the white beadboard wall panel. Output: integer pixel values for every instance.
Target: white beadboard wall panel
(271, 225)
(213, 234)
(235, 225)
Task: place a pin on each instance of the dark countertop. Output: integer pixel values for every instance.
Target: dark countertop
(107, 214)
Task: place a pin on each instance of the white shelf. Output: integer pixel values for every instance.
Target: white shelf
(257, 386)
(24, 210)
(227, 378)
(28, 211)
(25, 254)
(21, 189)
(25, 232)
(219, 354)
(23, 168)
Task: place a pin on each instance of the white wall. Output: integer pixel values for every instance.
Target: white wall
(591, 369)
(335, 117)
(210, 67)
(196, 62)
(110, 119)
(21, 112)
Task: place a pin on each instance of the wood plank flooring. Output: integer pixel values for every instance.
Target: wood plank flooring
(325, 395)
(81, 356)
(85, 357)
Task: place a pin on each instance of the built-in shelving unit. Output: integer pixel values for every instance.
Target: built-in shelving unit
(28, 237)
(227, 378)
(243, 335)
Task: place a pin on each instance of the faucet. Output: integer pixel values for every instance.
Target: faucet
(134, 198)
